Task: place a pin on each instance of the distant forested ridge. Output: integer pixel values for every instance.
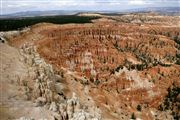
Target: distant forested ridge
(8, 24)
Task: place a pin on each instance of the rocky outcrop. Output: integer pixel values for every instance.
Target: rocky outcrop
(46, 89)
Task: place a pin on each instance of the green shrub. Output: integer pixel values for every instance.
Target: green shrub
(139, 108)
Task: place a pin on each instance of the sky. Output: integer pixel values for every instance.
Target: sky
(13, 6)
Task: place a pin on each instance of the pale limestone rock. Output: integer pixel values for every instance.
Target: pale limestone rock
(37, 91)
(53, 107)
(70, 108)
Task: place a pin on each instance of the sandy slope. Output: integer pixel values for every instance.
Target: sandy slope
(13, 102)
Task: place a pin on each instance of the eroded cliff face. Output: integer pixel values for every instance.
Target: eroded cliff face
(48, 89)
(34, 80)
(110, 69)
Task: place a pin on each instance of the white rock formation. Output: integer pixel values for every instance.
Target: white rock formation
(48, 91)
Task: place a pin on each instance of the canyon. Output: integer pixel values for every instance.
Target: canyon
(115, 68)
